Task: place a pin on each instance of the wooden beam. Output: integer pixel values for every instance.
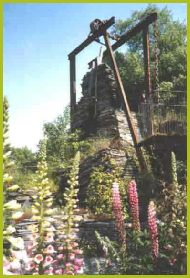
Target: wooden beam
(93, 37)
(72, 87)
(134, 31)
(146, 49)
(126, 106)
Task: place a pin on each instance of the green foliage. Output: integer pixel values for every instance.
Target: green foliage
(180, 82)
(148, 188)
(62, 145)
(41, 208)
(11, 208)
(56, 133)
(70, 194)
(97, 144)
(24, 167)
(172, 44)
(99, 192)
(25, 159)
(75, 144)
(136, 259)
(173, 229)
(166, 93)
(181, 171)
(173, 170)
(68, 221)
(172, 210)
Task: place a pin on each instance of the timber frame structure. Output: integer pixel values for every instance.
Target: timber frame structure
(143, 27)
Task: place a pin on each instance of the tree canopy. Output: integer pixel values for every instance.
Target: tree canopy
(171, 49)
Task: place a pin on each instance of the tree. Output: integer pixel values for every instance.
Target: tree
(171, 43)
(62, 145)
(25, 159)
(57, 133)
(25, 166)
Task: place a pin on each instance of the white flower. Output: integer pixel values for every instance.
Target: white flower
(17, 242)
(50, 229)
(49, 212)
(13, 205)
(46, 224)
(20, 255)
(36, 217)
(15, 265)
(35, 210)
(6, 272)
(10, 229)
(17, 215)
(13, 187)
(8, 179)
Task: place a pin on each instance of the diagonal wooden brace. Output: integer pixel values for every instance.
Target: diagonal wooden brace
(139, 153)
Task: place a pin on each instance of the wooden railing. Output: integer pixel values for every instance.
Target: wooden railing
(166, 116)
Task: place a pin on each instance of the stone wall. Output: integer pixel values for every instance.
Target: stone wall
(99, 111)
(86, 167)
(106, 228)
(96, 114)
(99, 114)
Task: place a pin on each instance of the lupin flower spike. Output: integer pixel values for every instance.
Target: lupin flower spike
(118, 212)
(134, 204)
(153, 229)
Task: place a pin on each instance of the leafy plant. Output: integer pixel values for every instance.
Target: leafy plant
(25, 166)
(173, 222)
(136, 259)
(99, 192)
(11, 208)
(62, 144)
(69, 259)
(53, 251)
(40, 248)
(130, 255)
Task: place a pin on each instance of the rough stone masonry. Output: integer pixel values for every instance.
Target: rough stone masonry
(99, 114)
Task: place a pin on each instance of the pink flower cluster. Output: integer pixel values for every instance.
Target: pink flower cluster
(11, 267)
(15, 264)
(65, 259)
(68, 260)
(41, 262)
(153, 229)
(118, 212)
(134, 204)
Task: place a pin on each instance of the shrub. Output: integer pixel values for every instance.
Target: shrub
(172, 212)
(99, 192)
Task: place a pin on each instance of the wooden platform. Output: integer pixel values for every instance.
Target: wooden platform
(165, 141)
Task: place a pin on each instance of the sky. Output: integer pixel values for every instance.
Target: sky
(37, 41)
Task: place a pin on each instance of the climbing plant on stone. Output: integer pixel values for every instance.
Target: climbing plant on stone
(99, 192)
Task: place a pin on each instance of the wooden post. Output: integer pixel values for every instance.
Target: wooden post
(146, 50)
(126, 106)
(148, 87)
(72, 87)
